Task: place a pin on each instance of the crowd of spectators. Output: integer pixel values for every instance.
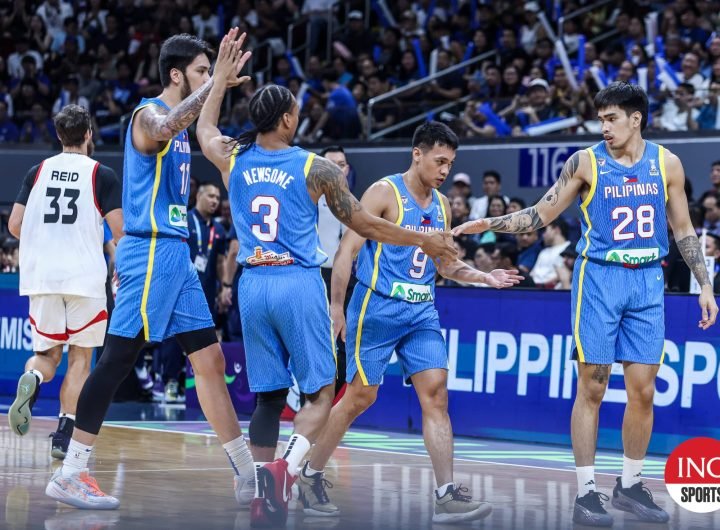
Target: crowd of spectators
(103, 55)
(546, 258)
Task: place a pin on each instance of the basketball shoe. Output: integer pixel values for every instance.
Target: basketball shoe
(638, 499)
(80, 490)
(274, 490)
(589, 510)
(20, 412)
(313, 496)
(61, 438)
(456, 507)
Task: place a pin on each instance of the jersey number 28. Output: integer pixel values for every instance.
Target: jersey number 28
(645, 216)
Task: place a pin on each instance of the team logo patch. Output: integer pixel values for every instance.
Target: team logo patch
(440, 215)
(601, 162)
(630, 179)
(404, 200)
(177, 215)
(411, 292)
(653, 168)
(268, 257)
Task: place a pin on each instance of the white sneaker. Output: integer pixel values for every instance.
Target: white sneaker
(244, 491)
(80, 490)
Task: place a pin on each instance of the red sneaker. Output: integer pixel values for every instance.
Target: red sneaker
(275, 489)
(258, 514)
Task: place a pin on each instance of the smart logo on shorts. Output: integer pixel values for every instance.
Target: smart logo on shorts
(692, 475)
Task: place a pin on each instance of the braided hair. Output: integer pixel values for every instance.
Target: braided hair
(267, 107)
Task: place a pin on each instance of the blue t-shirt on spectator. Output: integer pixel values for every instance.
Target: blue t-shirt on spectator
(35, 134)
(529, 256)
(9, 132)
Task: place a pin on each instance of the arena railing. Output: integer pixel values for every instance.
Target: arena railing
(373, 102)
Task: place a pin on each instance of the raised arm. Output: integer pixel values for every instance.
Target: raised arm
(568, 186)
(460, 271)
(687, 240)
(326, 178)
(215, 146)
(159, 125)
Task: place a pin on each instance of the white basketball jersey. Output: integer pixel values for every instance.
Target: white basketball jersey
(61, 245)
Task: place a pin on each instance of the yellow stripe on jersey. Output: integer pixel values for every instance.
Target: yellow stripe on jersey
(332, 329)
(661, 161)
(442, 208)
(232, 160)
(153, 241)
(373, 283)
(308, 164)
(584, 209)
(662, 357)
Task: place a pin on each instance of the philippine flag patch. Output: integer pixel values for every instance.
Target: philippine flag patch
(630, 179)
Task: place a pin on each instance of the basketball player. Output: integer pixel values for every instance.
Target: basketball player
(61, 206)
(628, 189)
(160, 294)
(274, 190)
(392, 309)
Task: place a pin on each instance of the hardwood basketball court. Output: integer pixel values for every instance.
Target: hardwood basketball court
(175, 475)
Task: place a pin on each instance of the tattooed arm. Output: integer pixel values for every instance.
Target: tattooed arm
(687, 240)
(556, 200)
(326, 178)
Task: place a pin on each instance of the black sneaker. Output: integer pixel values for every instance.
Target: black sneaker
(589, 510)
(20, 412)
(61, 438)
(638, 499)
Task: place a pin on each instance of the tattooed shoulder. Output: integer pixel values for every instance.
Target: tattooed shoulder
(326, 178)
(151, 119)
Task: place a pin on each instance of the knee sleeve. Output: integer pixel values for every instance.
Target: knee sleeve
(117, 361)
(192, 341)
(264, 427)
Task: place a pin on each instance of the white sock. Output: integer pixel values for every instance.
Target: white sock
(586, 479)
(309, 472)
(258, 465)
(240, 457)
(38, 374)
(68, 416)
(297, 448)
(442, 490)
(76, 459)
(631, 471)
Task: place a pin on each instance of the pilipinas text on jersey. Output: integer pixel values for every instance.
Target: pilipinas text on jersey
(403, 273)
(274, 216)
(623, 216)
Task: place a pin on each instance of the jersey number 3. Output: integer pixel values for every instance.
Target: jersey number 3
(645, 216)
(267, 231)
(68, 217)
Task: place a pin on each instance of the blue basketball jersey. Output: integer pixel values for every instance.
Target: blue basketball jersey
(623, 216)
(156, 187)
(405, 273)
(274, 216)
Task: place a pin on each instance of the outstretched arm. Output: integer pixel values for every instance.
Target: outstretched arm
(326, 178)
(687, 240)
(554, 202)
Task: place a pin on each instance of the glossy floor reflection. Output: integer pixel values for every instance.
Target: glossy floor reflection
(173, 480)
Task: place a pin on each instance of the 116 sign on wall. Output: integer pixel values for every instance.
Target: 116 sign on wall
(540, 167)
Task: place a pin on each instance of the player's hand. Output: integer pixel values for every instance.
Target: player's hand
(231, 60)
(472, 227)
(226, 296)
(439, 246)
(709, 308)
(502, 278)
(338, 317)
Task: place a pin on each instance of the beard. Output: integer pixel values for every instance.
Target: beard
(185, 90)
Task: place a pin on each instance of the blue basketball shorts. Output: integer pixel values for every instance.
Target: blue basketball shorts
(159, 290)
(377, 326)
(286, 328)
(618, 313)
